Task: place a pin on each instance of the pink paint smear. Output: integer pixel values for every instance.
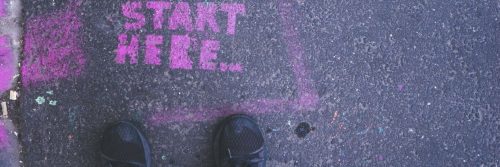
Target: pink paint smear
(52, 47)
(3, 6)
(308, 97)
(7, 64)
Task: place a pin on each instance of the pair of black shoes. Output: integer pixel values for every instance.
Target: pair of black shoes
(238, 142)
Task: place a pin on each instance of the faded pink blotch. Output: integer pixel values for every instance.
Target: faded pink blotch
(52, 47)
(7, 64)
(3, 6)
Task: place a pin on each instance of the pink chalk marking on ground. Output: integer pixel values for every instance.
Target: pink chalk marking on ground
(158, 7)
(308, 97)
(7, 64)
(4, 137)
(206, 16)
(52, 47)
(181, 16)
(129, 10)
(204, 113)
(127, 48)
(152, 51)
(208, 54)
(232, 12)
(179, 58)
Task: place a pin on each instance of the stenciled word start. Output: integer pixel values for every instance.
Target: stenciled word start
(180, 18)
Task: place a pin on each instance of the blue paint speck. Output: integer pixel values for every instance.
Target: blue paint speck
(40, 100)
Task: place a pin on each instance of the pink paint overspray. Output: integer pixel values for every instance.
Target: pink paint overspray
(308, 97)
(7, 64)
(2, 8)
(52, 46)
(9, 43)
(9, 150)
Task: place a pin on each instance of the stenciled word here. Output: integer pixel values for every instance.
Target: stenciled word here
(180, 18)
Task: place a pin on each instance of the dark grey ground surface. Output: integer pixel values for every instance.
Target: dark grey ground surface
(401, 83)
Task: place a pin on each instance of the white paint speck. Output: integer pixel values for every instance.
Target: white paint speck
(13, 95)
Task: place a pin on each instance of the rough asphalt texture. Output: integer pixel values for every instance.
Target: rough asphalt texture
(401, 83)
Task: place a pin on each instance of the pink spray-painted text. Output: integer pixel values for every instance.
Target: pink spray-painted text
(179, 19)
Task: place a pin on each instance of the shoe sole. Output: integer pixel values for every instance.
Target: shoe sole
(144, 140)
(219, 132)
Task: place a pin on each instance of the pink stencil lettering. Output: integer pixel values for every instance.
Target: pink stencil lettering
(158, 7)
(181, 17)
(7, 64)
(131, 49)
(152, 51)
(206, 15)
(232, 11)
(179, 58)
(52, 46)
(208, 53)
(129, 10)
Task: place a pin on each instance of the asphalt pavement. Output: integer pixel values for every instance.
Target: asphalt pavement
(331, 82)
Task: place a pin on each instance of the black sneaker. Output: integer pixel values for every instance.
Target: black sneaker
(123, 145)
(239, 142)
